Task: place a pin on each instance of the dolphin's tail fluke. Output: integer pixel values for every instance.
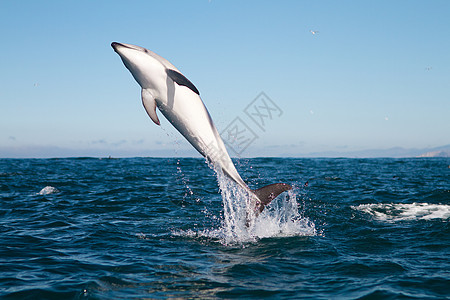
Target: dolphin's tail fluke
(267, 193)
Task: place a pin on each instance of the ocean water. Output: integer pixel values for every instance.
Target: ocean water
(89, 228)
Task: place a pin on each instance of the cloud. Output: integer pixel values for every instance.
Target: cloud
(35, 151)
(139, 142)
(12, 138)
(119, 143)
(103, 142)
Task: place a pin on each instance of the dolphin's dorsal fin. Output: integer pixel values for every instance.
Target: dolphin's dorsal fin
(181, 80)
(269, 192)
(150, 105)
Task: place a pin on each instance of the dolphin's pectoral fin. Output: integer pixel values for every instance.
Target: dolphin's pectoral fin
(269, 192)
(150, 105)
(181, 80)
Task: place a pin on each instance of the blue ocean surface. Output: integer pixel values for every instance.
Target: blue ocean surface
(90, 228)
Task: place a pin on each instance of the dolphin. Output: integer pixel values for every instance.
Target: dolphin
(166, 88)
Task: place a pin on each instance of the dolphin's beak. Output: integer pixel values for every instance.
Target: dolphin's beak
(115, 45)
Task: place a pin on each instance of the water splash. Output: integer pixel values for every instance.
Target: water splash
(238, 225)
(48, 190)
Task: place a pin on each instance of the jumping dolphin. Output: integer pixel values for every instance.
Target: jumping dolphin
(164, 86)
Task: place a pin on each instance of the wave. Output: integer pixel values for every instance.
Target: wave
(402, 212)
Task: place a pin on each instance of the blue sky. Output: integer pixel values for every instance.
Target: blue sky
(375, 74)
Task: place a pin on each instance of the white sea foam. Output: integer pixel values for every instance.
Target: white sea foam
(400, 212)
(48, 190)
